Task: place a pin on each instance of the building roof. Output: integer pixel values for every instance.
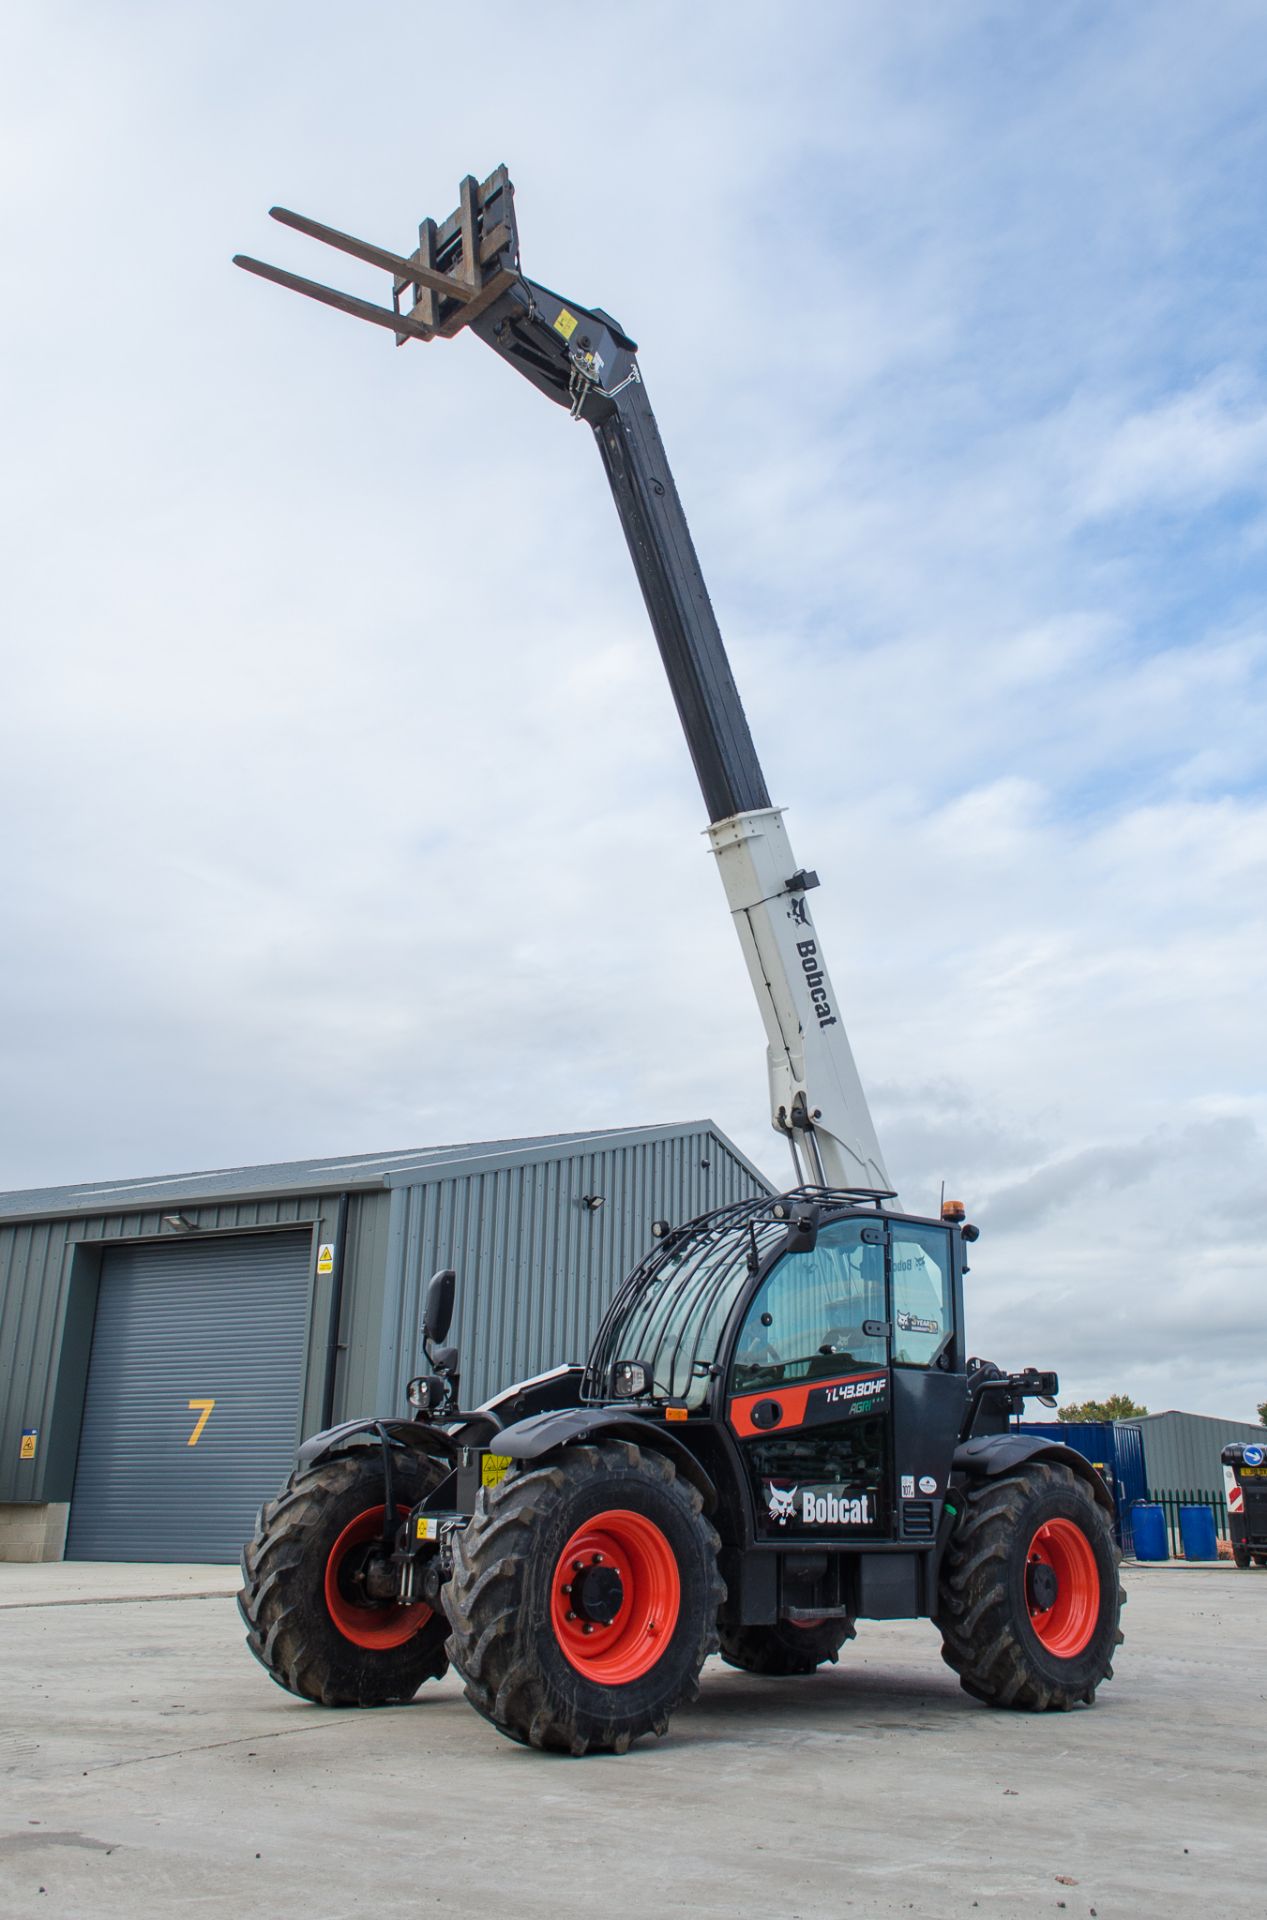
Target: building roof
(405, 1168)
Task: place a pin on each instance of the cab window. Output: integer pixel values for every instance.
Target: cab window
(806, 1319)
(921, 1293)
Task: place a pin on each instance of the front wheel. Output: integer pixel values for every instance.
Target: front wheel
(584, 1599)
(310, 1621)
(1029, 1598)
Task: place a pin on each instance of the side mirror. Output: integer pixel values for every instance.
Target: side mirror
(438, 1310)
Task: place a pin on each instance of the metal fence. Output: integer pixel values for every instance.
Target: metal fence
(1170, 1503)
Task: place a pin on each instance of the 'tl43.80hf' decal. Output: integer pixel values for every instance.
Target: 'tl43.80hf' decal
(811, 1403)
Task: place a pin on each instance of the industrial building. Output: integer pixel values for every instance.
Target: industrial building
(1182, 1451)
(165, 1343)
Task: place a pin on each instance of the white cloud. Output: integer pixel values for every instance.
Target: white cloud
(1187, 451)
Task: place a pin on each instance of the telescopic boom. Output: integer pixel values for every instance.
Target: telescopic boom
(465, 273)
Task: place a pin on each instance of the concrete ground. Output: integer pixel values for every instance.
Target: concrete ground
(150, 1768)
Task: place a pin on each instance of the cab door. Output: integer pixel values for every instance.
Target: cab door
(808, 1391)
(927, 1389)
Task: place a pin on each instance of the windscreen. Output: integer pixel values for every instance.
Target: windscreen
(675, 1317)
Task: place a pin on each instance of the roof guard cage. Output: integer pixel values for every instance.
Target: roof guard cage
(672, 1299)
(458, 268)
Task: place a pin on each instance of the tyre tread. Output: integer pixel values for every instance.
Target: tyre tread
(980, 1637)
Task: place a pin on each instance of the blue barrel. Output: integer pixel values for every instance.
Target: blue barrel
(1148, 1525)
(1196, 1533)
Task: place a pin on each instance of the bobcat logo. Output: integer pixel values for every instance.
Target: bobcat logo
(782, 1506)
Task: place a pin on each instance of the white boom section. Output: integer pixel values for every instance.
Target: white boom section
(816, 1097)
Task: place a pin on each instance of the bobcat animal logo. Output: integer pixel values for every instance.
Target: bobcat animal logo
(781, 1504)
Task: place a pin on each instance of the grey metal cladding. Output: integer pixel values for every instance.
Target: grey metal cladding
(160, 1192)
(48, 1286)
(535, 1266)
(1181, 1450)
(211, 1321)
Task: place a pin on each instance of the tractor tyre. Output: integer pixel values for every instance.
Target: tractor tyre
(1241, 1557)
(1029, 1599)
(305, 1621)
(786, 1647)
(584, 1599)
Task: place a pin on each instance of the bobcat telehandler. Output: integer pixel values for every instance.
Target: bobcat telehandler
(778, 1430)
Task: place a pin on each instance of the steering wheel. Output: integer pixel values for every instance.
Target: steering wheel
(842, 1339)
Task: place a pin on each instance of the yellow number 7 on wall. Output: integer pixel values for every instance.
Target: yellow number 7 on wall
(204, 1415)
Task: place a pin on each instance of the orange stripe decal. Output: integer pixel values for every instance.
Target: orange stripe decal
(792, 1401)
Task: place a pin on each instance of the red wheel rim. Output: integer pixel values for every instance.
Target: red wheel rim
(632, 1547)
(1066, 1626)
(378, 1628)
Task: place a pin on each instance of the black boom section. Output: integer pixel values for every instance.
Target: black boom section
(681, 612)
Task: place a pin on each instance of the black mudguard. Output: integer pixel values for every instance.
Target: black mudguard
(547, 1433)
(995, 1453)
(350, 1435)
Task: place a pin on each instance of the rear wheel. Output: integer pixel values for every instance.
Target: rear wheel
(786, 1647)
(584, 1599)
(309, 1617)
(1030, 1601)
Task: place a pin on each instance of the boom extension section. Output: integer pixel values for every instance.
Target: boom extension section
(465, 272)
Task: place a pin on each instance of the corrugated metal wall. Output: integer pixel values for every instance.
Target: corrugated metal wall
(1181, 1450)
(48, 1288)
(535, 1268)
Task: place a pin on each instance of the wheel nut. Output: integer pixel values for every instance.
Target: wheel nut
(578, 1566)
(570, 1614)
(588, 1627)
(596, 1559)
(568, 1588)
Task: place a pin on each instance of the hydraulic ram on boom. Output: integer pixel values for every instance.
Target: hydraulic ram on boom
(465, 273)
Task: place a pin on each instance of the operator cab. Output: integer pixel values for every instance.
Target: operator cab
(814, 1342)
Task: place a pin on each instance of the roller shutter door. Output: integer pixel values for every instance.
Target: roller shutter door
(222, 1319)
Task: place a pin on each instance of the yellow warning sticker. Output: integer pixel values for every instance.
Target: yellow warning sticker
(493, 1469)
(566, 324)
(325, 1257)
(30, 1440)
(426, 1528)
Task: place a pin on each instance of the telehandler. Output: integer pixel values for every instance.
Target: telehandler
(778, 1430)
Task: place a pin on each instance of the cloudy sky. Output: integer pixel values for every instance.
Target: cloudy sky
(344, 804)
